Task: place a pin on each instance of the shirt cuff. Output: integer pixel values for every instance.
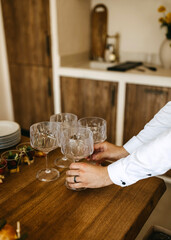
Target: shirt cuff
(117, 174)
(132, 144)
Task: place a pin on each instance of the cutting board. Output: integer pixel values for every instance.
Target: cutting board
(98, 31)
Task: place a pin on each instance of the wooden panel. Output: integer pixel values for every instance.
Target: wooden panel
(98, 31)
(100, 101)
(142, 103)
(27, 31)
(90, 98)
(70, 96)
(32, 102)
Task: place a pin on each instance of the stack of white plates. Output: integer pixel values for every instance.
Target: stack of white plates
(10, 134)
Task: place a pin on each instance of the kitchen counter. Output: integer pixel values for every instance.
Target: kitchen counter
(93, 70)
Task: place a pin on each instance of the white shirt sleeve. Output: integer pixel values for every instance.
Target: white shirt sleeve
(160, 123)
(151, 159)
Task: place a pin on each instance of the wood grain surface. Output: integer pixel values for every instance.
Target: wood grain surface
(98, 31)
(27, 26)
(99, 99)
(27, 32)
(51, 211)
(142, 103)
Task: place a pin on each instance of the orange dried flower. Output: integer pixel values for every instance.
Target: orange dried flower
(161, 20)
(161, 9)
(165, 20)
(168, 17)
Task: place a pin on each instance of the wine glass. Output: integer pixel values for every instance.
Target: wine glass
(97, 125)
(43, 137)
(76, 144)
(64, 120)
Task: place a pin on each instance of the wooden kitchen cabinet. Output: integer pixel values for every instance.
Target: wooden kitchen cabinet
(27, 29)
(27, 32)
(87, 98)
(142, 103)
(32, 91)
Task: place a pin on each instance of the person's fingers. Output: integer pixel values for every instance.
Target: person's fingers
(72, 178)
(99, 146)
(72, 172)
(79, 165)
(99, 156)
(76, 185)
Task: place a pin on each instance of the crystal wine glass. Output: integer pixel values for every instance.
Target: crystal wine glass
(64, 120)
(76, 144)
(43, 137)
(98, 126)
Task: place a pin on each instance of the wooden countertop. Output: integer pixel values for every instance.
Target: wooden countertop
(51, 211)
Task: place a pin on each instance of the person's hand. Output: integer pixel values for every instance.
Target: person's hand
(107, 151)
(87, 176)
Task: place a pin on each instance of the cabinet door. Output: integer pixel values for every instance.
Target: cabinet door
(32, 91)
(86, 98)
(142, 103)
(26, 24)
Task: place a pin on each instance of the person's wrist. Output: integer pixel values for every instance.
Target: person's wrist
(107, 180)
(121, 153)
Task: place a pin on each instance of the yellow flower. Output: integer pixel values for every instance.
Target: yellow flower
(161, 9)
(168, 17)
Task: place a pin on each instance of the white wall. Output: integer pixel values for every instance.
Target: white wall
(6, 108)
(73, 26)
(137, 23)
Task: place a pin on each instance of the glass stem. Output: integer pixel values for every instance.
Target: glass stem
(46, 161)
(47, 169)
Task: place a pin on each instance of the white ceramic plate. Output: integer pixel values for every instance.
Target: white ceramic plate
(11, 144)
(8, 127)
(10, 138)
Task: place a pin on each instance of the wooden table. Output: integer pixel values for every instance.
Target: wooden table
(51, 211)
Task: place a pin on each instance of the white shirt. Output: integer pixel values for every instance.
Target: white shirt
(150, 151)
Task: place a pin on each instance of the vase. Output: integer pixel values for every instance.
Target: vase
(165, 53)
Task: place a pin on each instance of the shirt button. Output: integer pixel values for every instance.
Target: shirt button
(123, 183)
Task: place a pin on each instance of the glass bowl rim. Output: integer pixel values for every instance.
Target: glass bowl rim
(4, 161)
(63, 114)
(12, 150)
(24, 143)
(103, 120)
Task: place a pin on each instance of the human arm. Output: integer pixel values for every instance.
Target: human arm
(160, 123)
(151, 159)
(108, 151)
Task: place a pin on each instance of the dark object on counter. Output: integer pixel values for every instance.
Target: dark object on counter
(125, 66)
(122, 67)
(150, 68)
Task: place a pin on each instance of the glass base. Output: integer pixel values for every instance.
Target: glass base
(47, 175)
(62, 162)
(74, 189)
